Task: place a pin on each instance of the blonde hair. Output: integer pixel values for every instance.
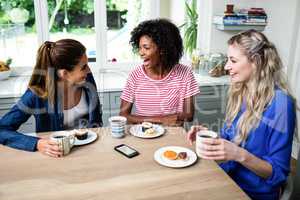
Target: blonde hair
(259, 91)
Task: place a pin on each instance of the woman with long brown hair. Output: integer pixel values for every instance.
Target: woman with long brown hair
(61, 95)
(255, 144)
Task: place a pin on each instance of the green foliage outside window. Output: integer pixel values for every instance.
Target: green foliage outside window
(117, 4)
(76, 11)
(7, 5)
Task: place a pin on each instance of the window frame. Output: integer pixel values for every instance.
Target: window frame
(42, 24)
(41, 20)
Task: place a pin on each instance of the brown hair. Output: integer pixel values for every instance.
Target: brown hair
(258, 92)
(52, 56)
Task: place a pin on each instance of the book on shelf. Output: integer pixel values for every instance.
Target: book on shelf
(243, 19)
(239, 20)
(252, 11)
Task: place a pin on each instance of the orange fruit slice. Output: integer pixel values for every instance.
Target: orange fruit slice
(172, 155)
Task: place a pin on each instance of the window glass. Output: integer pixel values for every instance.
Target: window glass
(73, 19)
(122, 17)
(18, 37)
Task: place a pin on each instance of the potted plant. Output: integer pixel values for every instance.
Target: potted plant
(190, 27)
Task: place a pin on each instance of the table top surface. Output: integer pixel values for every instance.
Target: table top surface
(97, 171)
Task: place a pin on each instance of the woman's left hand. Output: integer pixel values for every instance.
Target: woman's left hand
(220, 149)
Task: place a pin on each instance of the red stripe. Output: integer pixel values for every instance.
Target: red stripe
(157, 97)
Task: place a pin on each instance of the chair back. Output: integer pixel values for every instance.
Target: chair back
(296, 183)
(292, 187)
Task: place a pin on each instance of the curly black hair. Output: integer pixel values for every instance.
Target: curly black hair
(165, 35)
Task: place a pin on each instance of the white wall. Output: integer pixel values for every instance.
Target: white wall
(281, 16)
(173, 10)
(165, 8)
(219, 38)
(177, 11)
(294, 74)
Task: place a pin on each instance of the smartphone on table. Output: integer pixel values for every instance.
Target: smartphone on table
(126, 150)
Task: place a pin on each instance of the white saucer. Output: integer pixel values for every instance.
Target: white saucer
(137, 131)
(159, 157)
(92, 136)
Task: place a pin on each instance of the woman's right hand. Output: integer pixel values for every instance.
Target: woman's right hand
(49, 148)
(191, 135)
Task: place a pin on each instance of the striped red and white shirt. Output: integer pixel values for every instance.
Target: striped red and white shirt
(160, 97)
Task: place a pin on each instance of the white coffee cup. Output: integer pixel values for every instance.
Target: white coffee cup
(203, 134)
(65, 141)
(117, 126)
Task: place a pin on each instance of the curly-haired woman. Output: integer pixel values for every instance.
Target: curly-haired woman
(255, 143)
(162, 89)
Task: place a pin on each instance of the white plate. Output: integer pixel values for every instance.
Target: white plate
(159, 157)
(92, 136)
(137, 131)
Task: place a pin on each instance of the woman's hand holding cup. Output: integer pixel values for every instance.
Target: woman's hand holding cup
(219, 149)
(49, 147)
(209, 146)
(206, 141)
(191, 135)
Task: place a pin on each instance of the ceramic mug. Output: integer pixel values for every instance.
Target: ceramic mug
(65, 141)
(200, 135)
(117, 126)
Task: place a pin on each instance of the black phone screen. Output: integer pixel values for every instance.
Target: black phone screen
(126, 150)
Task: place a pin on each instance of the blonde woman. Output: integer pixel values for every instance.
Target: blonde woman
(255, 144)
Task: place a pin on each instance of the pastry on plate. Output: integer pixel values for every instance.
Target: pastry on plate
(149, 131)
(146, 126)
(172, 155)
(182, 155)
(81, 134)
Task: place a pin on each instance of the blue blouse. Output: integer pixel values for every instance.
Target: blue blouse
(47, 118)
(270, 141)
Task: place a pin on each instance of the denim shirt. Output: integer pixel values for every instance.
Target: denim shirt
(47, 118)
